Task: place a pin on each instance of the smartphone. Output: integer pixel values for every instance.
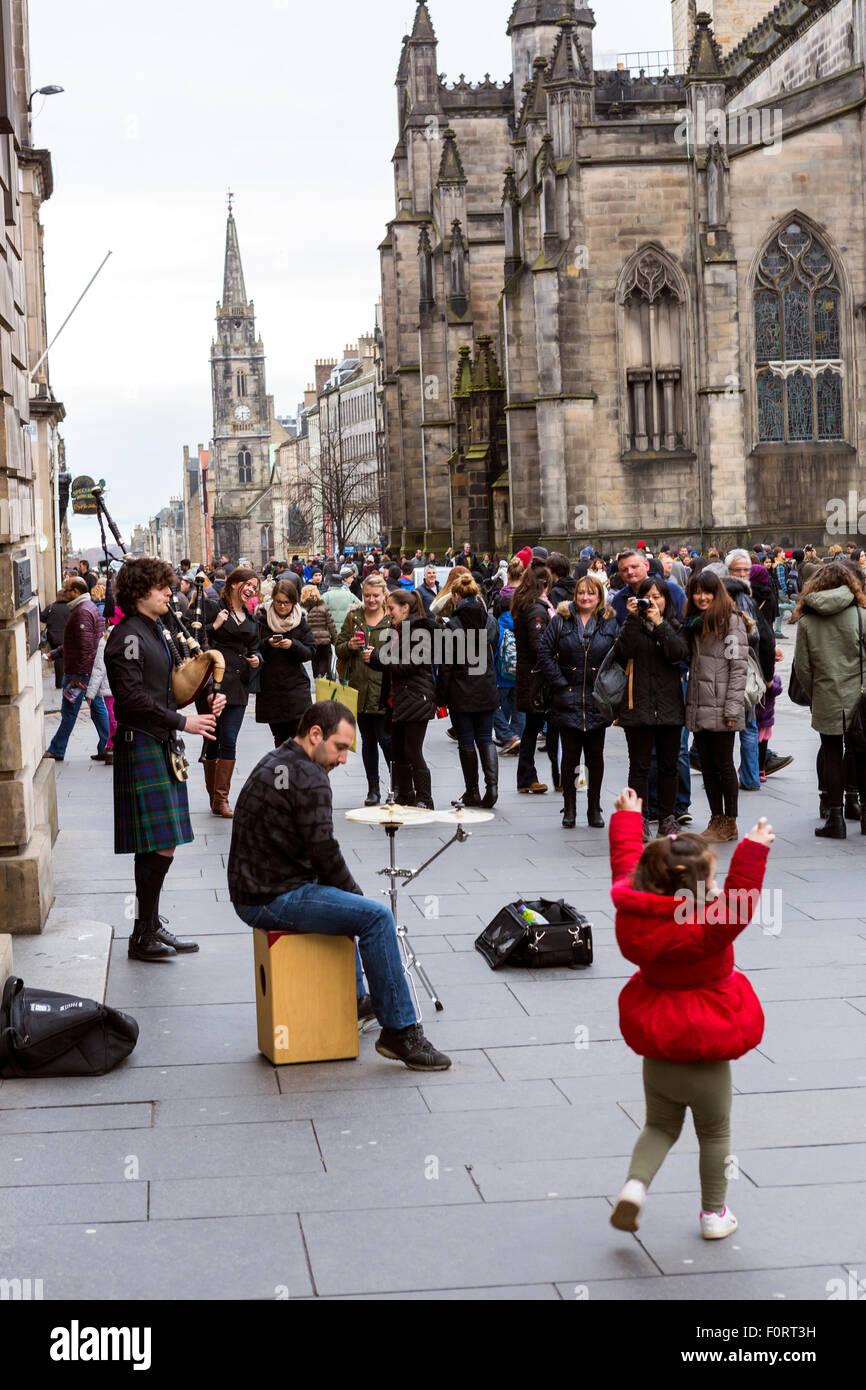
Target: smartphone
(359, 636)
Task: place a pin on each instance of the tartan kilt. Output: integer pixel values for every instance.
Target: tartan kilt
(151, 808)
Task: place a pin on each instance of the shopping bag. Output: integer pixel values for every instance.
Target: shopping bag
(343, 694)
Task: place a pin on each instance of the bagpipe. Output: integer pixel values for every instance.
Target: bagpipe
(193, 666)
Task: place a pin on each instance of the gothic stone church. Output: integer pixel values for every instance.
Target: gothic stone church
(621, 304)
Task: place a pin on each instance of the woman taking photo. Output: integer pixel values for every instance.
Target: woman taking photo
(467, 685)
(286, 644)
(652, 712)
(410, 694)
(363, 628)
(572, 650)
(324, 632)
(716, 698)
(831, 637)
(232, 630)
(531, 612)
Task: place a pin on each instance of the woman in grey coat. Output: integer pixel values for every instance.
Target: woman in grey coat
(716, 698)
(831, 633)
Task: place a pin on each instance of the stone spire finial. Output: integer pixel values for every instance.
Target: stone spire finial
(705, 59)
(234, 291)
(423, 27)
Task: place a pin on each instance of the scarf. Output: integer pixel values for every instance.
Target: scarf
(82, 598)
(282, 625)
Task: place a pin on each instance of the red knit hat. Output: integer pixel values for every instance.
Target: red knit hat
(525, 556)
(641, 545)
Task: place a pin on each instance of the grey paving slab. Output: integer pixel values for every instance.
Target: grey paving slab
(521, 1031)
(256, 1077)
(582, 1091)
(786, 1120)
(373, 1191)
(783, 1043)
(180, 1034)
(458, 1137)
(371, 1070)
(238, 1258)
(505, 1293)
(796, 1167)
(492, 1095)
(833, 982)
(72, 1204)
(222, 972)
(30, 1160)
(561, 1179)
(827, 1229)
(770, 1285)
(306, 1105)
(67, 1118)
(555, 1060)
(527, 1242)
(756, 1074)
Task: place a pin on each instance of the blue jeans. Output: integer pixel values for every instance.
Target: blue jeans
(508, 722)
(227, 730)
(69, 714)
(326, 911)
(472, 729)
(750, 779)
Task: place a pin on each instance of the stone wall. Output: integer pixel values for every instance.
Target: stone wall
(826, 47)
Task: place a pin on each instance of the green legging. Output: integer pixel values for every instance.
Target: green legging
(671, 1088)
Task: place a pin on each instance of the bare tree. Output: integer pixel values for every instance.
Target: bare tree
(347, 487)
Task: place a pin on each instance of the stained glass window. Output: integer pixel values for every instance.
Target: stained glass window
(798, 341)
(829, 394)
(771, 424)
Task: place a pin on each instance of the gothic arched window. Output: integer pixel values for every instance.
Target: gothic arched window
(242, 383)
(798, 341)
(245, 466)
(653, 331)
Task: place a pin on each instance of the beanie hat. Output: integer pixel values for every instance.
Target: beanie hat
(540, 553)
(525, 556)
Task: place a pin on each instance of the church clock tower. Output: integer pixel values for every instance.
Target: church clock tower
(242, 427)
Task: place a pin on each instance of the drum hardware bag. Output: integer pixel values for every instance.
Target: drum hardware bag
(48, 1034)
(566, 940)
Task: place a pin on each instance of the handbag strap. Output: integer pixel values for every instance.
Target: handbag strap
(860, 643)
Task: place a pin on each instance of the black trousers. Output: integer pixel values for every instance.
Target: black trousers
(853, 769)
(591, 745)
(407, 751)
(322, 661)
(721, 783)
(665, 739)
(283, 732)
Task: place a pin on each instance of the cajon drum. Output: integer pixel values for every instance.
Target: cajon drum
(306, 1000)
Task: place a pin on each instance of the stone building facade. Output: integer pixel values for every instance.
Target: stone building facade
(29, 450)
(619, 304)
(246, 431)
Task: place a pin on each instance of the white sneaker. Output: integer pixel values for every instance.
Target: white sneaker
(626, 1214)
(716, 1227)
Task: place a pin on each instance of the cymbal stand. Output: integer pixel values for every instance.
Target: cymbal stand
(410, 960)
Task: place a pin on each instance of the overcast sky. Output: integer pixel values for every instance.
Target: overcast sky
(167, 105)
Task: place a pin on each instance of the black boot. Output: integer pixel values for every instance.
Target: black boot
(469, 767)
(374, 795)
(423, 789)
(823, 806)
(835, 829)
(569, 798)
(853, 809)
(144, 944)
(863, 824)
(404, 787)
(594, 817)
(490, 768)
(162, 933)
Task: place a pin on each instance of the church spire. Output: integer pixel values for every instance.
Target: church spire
(234, 291)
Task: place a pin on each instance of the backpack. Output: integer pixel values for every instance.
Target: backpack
(506, 657)
(756, 686)
(47, 1034)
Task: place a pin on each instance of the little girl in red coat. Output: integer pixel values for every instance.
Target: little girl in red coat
(688, 1012)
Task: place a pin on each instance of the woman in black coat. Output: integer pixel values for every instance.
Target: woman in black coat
(55, 618)
(467, 685)
(232, 630)
(572, 650)
(287, 644)
(531, 612)
(409, 694)
(653, 712)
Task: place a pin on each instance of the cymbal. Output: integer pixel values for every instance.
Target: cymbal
(467, 816)
(391, 815)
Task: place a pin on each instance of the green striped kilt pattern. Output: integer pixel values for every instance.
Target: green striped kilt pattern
(151, 808)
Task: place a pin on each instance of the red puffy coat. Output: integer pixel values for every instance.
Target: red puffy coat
(687, 1002)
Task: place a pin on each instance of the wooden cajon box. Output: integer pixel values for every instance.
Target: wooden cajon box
(306, 1000)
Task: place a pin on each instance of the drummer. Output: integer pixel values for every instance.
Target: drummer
(302, 883)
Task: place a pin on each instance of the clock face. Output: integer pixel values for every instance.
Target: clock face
(243, 413)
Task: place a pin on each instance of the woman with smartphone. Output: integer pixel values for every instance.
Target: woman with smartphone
(232, 630)
(287, 644)
(652, 647)
(406, 660)
(367, 628)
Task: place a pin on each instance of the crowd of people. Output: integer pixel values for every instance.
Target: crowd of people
(680, 650)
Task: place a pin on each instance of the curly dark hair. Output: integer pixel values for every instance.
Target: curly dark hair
(832, 576)
(138, 577)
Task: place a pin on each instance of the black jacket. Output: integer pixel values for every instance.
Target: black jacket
(55, 617)
(139, 664)
(571, 663)
(407, 661)
(657, 692)
(236, 641)
(529, 629)
(467, 675)
(563, 591)
(762, 639)
(284, 688)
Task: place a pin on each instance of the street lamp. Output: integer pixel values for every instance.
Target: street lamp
(51, 91)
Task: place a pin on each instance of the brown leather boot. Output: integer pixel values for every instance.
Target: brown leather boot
(210, 778)
(713, 830)
(728, 831)
(222, 785)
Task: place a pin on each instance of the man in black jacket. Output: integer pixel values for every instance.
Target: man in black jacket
(302, 883)
(151, 808)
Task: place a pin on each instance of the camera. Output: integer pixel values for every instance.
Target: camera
(643, 605)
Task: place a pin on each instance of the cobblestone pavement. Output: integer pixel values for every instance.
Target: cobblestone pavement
(198, 1170)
